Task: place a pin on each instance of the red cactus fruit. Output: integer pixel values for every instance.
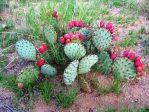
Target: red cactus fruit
(70, 34)
(74, 37)
(42, 49)
(102, 23)
(44, 45)
(131, 56)
(67, 36)
(71, 24)
(76, 33)
(81, 36)
(80, 23)
(86, 25)
(67, 41)
(138, 58)
(143, 65)
(54, 13)
(112, 30)
(20, 85)
(115, 38)
(138, 63)
(113, 55)
(139, 69)
(62, 40)
(40, 62)
(126, 52)
(109, 25)
(142, 73)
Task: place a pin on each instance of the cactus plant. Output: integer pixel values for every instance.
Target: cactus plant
(102, 38)
(28, 75)
(123, 68)
(48, 70)
(86, 33)
(50, 34)
(74, 51)
(104, 64)
(70, 72)
(86, 63)
(26, 50)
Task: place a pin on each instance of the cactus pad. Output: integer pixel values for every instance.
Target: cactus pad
(86, 63)
(102, 38)
(50, 34)
(28, 75)
(70, 72)
(104, 64)
(48, 70)
(74, 51)
(123, 68)
(26, 50)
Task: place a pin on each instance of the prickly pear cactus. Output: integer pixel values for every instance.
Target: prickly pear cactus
(90, 47)
(102, 38)
(86, 33)
(28, 75)
(48, 70)
(50, 34)
(74, 51)
(26, 50)
(104, 64)
(70, 72)
(86, 63)
(123, 68)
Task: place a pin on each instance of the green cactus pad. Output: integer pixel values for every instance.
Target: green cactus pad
(50, 34)
(123, 68)
(26, 50)
(74, 51)
(86, 33)
(104, 64)
(70, 72)
(28, 75)
(86, 63)
(48, 70)
(102, 38)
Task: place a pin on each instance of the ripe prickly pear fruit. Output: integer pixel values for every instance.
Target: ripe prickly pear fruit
(67, 36)
(102, 23)
(115, 38)
(67, 41)
(81, 36)
(138, 58)
(62, 40)
(44, 45)
(112, 30)
(143, 65)
(142, 73)
(109, 25)
(126, 52)
(138, 63)
(42, 49)
(71, 24)
(54, 13)
(86, 25)
(20, 85)
(80, 23)
(139, 69)
(113, 55)
(40, 62)
(131, 56)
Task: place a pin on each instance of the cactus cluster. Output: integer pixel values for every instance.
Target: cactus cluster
(26, 50)
(28, 75)
(86, 33)
(77, 51)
